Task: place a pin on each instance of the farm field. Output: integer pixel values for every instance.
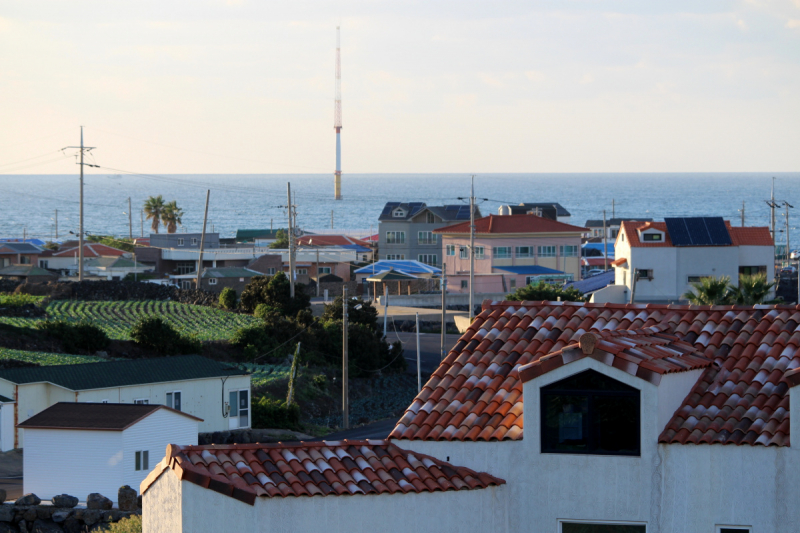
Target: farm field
(44, 358)
(116, 318)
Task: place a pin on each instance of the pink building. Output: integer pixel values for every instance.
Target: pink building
(511, 251)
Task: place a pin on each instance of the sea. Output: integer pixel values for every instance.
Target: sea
(28, 203)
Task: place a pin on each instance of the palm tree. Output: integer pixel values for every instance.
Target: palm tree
(711, 291)
(154, 207)
(171, 216)
(752, 289)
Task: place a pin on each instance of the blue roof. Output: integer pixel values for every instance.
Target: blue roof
(409, 267)
(599, 247)
(529, 270)
(37, 242)
(356, 247)
(594, 283)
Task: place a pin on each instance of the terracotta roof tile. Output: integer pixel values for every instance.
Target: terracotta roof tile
(750, 357)
(246, 471)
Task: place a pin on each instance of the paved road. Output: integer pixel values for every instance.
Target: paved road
(376, 430)
(430, 354)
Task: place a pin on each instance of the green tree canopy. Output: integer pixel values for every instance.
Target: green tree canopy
(711, 291)
(281, 240)
(153, 208)
(366, 315)
(274, 291)
(752, 289)
(546, 292)
(171, 216)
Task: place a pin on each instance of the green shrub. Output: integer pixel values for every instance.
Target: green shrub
(263, 310)
(227, 298)
(546, 292)
(155, 333)
(75, 337)
(275, 414)
(275, 292)
(18, 300)
(131, 524)
(320, 381)
(367, 315)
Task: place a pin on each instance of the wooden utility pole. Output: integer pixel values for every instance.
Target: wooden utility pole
(419, 363)
(56, 237)
(82, 149)
(472, 251)
(444, 308)
(605, 243)
(291, 239)
(345, 362)
(202, 242)
(130, 219)
(331, 218)
(141, 215)
(742, 213)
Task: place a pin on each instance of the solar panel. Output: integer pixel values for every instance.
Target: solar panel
(387, 209)
(698, 231)
(415, 207)
(463, 213)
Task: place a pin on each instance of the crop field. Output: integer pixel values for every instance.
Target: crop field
(44, 358)
(116, 318)
(18, 300)
(265, 374)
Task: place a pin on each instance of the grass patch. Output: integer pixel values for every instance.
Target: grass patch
(47, 359)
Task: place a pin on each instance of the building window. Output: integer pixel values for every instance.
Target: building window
(568, 251)
(43, 263)
(271, 271)
(734, 529)
(429, 218)
(180, 242)
(614, 233)
(546, 251)
(464, 284)
(524, 251)
(450, 249)
(590, 413)
(398, 213)
(395, 237)
(395, 257)
(239, 403)
(512, 283)
(644, 273)
(651, 237)
(324, 270)
(186, 267)
(212, 281)
(142, 401)
(174, 400)
(462, 252)
(623, 237)
(301, 272)
(605, 527)
(696, 279)
(428, 259)
(502, 252)
(480, 252)
(427, 237)
(194, 241)
(744, 270)
(142, 460)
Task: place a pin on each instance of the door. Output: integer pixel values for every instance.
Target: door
(244, 409)
(233, 413)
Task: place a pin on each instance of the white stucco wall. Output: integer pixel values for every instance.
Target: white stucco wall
(7, 426)
(73, 462)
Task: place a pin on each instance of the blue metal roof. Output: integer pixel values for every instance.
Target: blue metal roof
(594, 283)
(599, 247)
(356, 247)
(409, 267)
(529, 270)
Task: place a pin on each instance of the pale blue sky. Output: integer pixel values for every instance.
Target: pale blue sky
(241, 86)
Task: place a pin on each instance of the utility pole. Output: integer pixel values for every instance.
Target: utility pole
(24, 233)
(141, 215)
(56, 238)
(83, 149)
(130, 219)
(605, 243)
(419, 363)
(472, 251)
(331, 218)
(742, 213)
(291, 239)
(444, 308)
(345, 362)
(337, 124)
(202, 242)
(613, 210)
(788, 248)
(772, 206)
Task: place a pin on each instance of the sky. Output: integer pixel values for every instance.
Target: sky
(246, 86)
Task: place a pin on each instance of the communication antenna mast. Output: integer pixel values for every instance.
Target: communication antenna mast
(337, 122)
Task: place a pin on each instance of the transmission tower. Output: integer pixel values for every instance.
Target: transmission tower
(337, 122)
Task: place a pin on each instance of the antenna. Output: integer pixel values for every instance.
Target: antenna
(337, 122)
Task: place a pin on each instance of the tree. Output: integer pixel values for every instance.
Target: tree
(227, 298)
(153, 208)
(281, 240)
(546, 292)
(752, 289)
(274, 292)
(366, 315)
(711, 291)
(171, 216)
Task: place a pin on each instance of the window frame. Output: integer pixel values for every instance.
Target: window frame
(644, 274)
(235, 410)
(519, 254)
(544, 250)
(323, 270)
(141, 460)
(653, 236)
(141, 401)
(498, 254)
(463, 252)
(425, 238)
(425, 258)
(168, 400)
(301, 272)
(397, 237)
(180, 241)
(212, 281)
(480, 252)
(563, 521)
(450, 250)
(545, 390)
(194, 241)
(563, 250)
(395, 257)
(464, 284)
(430, 218)
(719, 527)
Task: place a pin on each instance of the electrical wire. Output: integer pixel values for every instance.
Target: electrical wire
(48, 154)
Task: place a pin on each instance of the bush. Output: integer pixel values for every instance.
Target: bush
(19, 300)
(131, 524)
(275, 414)
(367, 315)
(75, 337)
(155, 333)
(227, 298)
(274, 291)
(262, 310)
(546, 292)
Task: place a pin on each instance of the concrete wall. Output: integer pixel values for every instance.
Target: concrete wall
(435, 300)
(35, 397)
(7, 429)
(170, 240)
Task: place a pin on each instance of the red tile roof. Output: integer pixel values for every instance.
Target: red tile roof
(330, 240)
(244, 471)
(513, 224)
(476, 393)
(620, 261)
(91, 250)
(747, 236)
(646, 353)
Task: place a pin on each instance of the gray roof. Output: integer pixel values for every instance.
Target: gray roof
(523, 208)
(20, 247)
(103, 375)
(229, 272)
(94, 416)
(613, 222)
(448, 213)
(593, 283)
(24, 271)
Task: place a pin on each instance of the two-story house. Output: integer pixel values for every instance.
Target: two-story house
(18, 253)
(612, 226)
(511, 251)
(551, 210)
(658, 261)
(407, 230)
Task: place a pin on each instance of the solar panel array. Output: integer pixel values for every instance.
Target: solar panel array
(389, 207)
(698, 231)
(415, 207)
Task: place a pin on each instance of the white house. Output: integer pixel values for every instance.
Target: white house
(66, 261)
(638, 419)
(661, 266)
(80, 448)
(213, 391)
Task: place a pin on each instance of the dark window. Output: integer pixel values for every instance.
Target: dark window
(751, 271)
(651, 236)
(578, 527)
(734, 530)
(642, 273)
(464, 284)
(590, 413)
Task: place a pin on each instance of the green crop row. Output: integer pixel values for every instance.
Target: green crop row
(44, 358)
(18, 300)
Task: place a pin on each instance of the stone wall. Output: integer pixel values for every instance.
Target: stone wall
(28, 515)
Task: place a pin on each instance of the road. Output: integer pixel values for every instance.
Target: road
(430, 354)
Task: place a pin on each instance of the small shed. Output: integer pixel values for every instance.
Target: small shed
(80, 448)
